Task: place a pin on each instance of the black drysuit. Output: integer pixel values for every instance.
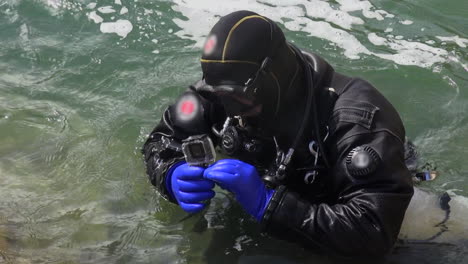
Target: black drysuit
(340, 212)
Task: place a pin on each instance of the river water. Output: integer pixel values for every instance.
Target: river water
(82, 83)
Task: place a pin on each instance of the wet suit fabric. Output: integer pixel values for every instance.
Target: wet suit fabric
(339, 212)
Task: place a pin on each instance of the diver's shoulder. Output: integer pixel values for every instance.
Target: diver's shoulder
(361, 103)
(356, 90)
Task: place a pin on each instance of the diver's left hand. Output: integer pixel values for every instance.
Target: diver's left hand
(243, 180)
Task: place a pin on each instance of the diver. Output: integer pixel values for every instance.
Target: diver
(316, 157)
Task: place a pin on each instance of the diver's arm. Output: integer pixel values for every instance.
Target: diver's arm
(162, 149)
(366, 217)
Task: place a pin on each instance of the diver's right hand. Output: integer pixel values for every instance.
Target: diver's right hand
(189, 187)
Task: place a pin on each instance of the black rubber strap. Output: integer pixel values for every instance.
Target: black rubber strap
(272, 205)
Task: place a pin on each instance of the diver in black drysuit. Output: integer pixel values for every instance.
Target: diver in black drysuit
(329, 148)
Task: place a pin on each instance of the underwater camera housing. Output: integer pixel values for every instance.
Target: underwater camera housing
(199, 150)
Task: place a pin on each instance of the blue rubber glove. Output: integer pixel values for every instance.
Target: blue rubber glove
(243, 180)
(188, 187)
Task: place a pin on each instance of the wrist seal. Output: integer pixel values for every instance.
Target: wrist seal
(272, 205)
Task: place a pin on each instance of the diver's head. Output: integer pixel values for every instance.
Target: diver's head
(248, 65)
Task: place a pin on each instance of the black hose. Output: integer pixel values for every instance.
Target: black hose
(311, 100)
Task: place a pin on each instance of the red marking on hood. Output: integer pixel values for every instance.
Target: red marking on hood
(187, 107)
(210, 44)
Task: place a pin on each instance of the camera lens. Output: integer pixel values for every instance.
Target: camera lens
(196, 150)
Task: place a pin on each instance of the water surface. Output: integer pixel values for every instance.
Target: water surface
(83, 82)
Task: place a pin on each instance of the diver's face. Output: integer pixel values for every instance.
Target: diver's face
(238, 105)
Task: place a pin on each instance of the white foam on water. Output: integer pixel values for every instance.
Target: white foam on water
(124, 10)
(24, 32)
(294, 10)
(106, 9)
(54, 3)
(367, 9)
(414, 53)
(406, 22)
(319, 19)
(95, 17)
(454, 59)
(119, 27)
(320, 29)
(453, 84)
(91, 5)
(326, 20)
(462, 42)
(323, 10)
(376, 40)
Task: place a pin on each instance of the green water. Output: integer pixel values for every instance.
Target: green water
(76, 104)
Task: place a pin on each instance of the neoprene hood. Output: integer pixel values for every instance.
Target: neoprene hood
(234, 51)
